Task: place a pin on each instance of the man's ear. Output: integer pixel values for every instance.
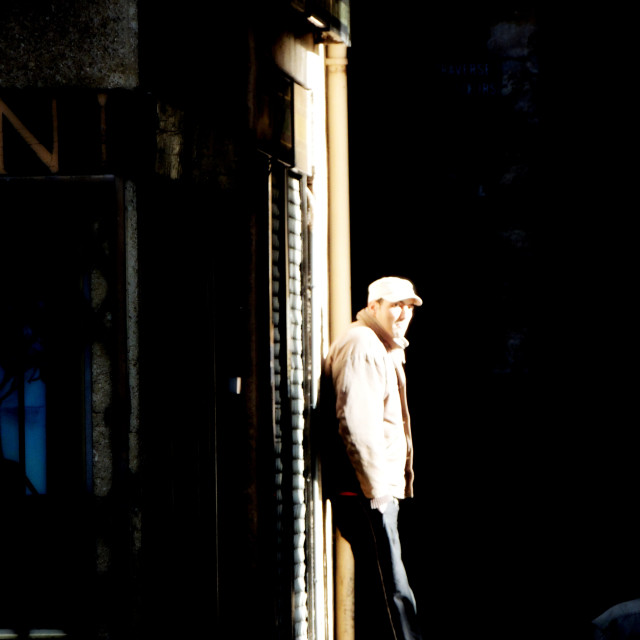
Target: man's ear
(373, 305)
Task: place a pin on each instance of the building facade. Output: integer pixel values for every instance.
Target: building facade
(164, 193)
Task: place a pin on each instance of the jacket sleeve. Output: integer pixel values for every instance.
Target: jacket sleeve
(361, 390)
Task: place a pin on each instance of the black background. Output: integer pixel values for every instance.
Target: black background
(524, 520)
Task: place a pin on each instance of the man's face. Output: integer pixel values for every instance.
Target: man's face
(393, 316)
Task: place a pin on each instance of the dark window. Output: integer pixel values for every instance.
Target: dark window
(54, 234)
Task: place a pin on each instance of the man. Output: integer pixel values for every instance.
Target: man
(369, 468)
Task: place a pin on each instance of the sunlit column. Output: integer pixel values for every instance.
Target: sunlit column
(339, 283)
(338, 160)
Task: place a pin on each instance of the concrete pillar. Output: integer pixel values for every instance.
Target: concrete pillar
(339, 284)
(338, 161)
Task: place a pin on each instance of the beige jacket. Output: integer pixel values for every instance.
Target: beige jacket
(366, 366)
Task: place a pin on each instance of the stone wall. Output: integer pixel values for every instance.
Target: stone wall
(89, 44)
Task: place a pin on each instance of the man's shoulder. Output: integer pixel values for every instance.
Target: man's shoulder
(360, 333)
(359, 338)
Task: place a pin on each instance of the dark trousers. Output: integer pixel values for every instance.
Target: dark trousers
(385, 606)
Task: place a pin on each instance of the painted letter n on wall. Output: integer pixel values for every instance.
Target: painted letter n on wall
(49, 158)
